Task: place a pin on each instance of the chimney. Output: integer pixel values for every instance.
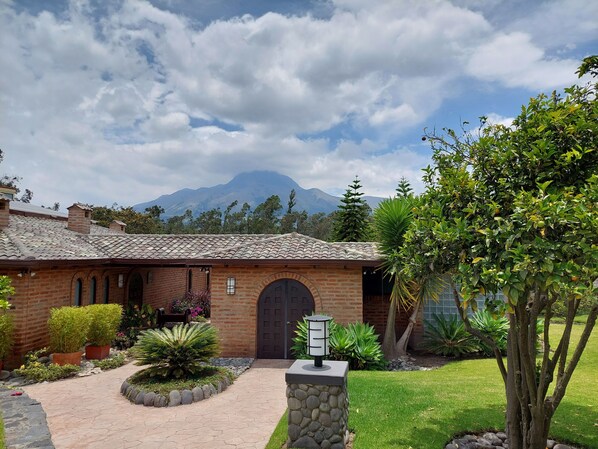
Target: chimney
(7, 194)
(79, 218)
(118, 226)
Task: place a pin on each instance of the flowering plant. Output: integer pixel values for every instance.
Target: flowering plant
(198, 301)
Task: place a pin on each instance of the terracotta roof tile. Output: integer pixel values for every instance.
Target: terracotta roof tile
(39, 238)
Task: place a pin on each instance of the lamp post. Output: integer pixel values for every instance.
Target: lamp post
(318, 335)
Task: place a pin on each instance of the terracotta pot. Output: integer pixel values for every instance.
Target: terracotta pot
(94, 352)
(67, 358)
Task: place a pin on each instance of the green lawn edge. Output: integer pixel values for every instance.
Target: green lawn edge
(424, 409)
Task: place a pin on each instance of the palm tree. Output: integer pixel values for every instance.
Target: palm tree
(392, 218)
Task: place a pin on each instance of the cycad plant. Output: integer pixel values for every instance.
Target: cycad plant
(176, 353)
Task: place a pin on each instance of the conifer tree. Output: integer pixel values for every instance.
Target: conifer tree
(352, 222)
(404, 189)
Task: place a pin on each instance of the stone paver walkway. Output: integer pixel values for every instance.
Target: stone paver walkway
(89, 412)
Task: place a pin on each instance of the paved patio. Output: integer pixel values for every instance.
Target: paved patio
(90, 413)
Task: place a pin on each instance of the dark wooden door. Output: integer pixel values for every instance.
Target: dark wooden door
(280, 306)
(136, 290)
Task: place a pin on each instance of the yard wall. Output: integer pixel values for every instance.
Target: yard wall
(337, 291)
(38, 290)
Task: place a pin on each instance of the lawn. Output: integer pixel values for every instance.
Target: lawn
(424, 409)
(2, 444)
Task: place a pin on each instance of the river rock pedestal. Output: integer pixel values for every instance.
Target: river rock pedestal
(318, 405)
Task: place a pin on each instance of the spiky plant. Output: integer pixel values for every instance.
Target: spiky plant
(496, 327)
(178, 352)
(446, 335)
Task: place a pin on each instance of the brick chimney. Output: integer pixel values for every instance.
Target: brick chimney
(79, 218)
(118, 226)
(7, 194)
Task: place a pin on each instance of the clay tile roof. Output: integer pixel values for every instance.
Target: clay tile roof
(80, 206)
(41, 238)
(165, 246)
(291, 247)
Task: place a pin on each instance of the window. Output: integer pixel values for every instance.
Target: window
(189, 280)
(92, 290)
(78, 291)
(106, 289)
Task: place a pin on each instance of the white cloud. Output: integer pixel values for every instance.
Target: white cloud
(99, 108)
(514, 61)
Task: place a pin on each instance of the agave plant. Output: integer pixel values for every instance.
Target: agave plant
(496, 327)
(355, 343)
(446, 335)
(178, 352)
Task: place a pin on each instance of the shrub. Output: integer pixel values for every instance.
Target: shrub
(355, 343)
(40, 373)
(6, 334)
(138, 317)
(496, 328)
(446, 335)
(177, 352)
(6, 321)
(111, 362)
(68, 328)
(126, 339)
(104, 323)
(364, 352)
(37, 371)
(195, 300)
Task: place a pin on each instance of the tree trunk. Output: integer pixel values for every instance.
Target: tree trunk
(390, 335)
(401, 345)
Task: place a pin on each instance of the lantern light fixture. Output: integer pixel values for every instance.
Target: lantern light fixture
(231, 285)
(318, 336)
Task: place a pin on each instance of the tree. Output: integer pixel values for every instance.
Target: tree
(236, 222)
(264, 219)
(137, 222)
(513, 210)
(404, 188)
(318, 225)
(209, 222)
(352, 221)
(392, 219)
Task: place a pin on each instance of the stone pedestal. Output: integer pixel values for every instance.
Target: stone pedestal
(318, 405)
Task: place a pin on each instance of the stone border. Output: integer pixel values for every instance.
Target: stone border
(25, 424)
(176, 397)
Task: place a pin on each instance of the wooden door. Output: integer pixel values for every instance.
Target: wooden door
(135, 290)
(280, 306)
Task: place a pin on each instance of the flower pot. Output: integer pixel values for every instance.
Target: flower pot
(67, 358)
(94, 352)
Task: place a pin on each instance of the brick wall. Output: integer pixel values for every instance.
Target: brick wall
(55, 287)
(336, 291)
(375, 311)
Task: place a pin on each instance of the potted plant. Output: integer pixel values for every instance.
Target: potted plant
(103, 326)
(68, 327)
(6, 321)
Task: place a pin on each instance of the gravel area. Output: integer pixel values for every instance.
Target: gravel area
(238, 365)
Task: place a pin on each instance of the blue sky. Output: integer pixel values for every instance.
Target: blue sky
(123, 101)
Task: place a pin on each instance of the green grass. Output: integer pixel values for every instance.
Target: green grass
(209, 375)
(2, 444)
(424, 409)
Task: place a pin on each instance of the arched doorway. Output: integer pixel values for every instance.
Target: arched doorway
(281, 305)
(135, 290)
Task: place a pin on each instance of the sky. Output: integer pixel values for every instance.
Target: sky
(106, 102)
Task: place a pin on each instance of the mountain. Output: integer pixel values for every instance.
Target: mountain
(251, 187)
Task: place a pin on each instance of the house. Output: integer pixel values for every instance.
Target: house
(260, 284)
